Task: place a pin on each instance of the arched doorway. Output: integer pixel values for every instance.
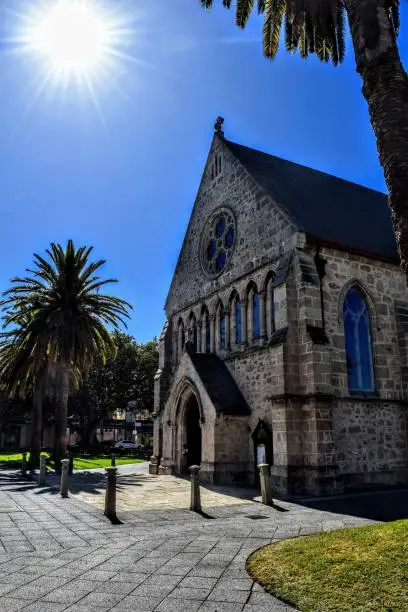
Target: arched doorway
(192, 446)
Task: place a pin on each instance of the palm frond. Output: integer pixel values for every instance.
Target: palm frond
(312, 26)
(57, 315)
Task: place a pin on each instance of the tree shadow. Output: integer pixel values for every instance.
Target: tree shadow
(92, 483)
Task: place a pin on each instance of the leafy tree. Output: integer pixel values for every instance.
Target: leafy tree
(24, 376)
(58, 321)
(124, 382)
(317, 27)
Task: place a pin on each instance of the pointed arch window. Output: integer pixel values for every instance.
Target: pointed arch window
(273, 324)
(357, 334)
(238, 322)
(222, 328)
(193, 333)
(256, 315)
(207, 336)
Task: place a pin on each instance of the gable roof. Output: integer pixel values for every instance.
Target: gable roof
(326, 207)
(219, 384)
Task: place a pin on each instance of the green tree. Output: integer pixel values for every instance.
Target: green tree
(317, 26)
(124, 382)
(64, 318)
(24, 376)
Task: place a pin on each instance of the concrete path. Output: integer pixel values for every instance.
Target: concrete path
(60, 554)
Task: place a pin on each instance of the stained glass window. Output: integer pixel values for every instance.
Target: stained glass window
(358, 342)
(238, 322)
(220, 226)
(272, 309)
(221, 261)
(256, 318)
(218, 242)
(211, 249)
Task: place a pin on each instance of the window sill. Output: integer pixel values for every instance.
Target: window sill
(364, 394)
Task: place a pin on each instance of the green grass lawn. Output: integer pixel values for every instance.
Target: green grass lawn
(348, 570)
(13, 460)
(97, 461)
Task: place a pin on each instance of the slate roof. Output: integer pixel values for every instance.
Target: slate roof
(326, 207)
(219, 384)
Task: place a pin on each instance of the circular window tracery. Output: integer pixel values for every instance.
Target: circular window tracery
(218, 242)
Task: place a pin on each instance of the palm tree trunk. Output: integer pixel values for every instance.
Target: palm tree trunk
(61, 417)
(385, 87)
(36, 426)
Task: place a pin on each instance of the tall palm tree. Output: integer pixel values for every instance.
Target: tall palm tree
(65, 318)
(317, 26)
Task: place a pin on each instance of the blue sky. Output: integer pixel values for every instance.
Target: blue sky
(124, 179)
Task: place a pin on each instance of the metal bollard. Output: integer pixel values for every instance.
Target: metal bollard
(64, 477)
(43, 470)
(110, 495)
(113, 461)
(24, 464)
(195, 504)
(265, 484)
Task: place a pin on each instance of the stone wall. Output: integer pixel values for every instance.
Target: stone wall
(259, 375)
(384, 285)
(371, 442)
(262, 231)
(365, 437)
(231, 449)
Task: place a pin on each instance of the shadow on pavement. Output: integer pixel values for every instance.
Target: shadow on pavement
(94, 483)
(378, 506)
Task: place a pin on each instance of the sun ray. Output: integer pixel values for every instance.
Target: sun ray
(131, 58)
(73, 39)
(94, 99)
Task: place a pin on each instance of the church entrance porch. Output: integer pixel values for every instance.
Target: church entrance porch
(204, 422)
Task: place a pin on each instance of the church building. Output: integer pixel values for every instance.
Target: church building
(286, 340)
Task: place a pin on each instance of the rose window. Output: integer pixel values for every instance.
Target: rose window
(218, 242)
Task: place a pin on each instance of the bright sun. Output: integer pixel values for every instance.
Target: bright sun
(72, 35)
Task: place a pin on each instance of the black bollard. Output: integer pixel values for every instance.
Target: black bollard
(110, 495)
(195, 504)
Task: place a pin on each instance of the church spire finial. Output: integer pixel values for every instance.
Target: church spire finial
(218, 126)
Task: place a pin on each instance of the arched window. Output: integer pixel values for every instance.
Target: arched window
(256, 318)
(238, 321)
(222, 328)
(357, 335)
(272, 302)
(180, 340)
(192, 331)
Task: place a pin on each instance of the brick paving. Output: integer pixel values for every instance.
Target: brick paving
(62, 554)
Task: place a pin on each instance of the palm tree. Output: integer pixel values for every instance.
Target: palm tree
(317, 26)
(64, 330)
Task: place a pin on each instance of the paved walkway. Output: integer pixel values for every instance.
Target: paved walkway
(60, 554)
